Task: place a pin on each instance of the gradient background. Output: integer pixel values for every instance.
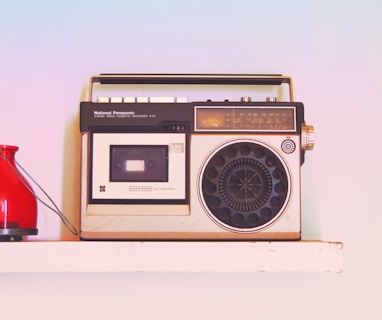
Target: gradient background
(332, 49)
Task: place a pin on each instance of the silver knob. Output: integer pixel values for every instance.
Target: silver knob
(246, 99)
(271, 99)
(307, 137)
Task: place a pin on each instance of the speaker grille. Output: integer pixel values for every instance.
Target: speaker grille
(244, 186)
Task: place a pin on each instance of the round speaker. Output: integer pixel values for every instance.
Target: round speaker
(244, 185)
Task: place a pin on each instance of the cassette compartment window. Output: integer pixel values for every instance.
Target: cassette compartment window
(139, 163)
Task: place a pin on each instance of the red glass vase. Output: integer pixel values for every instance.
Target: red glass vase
(18, 204)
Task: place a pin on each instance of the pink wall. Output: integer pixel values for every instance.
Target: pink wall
(331, 49)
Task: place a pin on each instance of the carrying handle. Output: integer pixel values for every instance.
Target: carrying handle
(200, 79)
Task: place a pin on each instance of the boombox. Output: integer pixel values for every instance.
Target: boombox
(170, 168)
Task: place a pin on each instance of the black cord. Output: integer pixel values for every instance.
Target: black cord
(55, 209)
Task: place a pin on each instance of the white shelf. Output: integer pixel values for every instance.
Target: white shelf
(135, 256)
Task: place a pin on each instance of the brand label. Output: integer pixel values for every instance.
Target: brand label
(140, 189)
(121, 114)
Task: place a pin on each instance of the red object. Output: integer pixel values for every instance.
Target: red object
(18, 204)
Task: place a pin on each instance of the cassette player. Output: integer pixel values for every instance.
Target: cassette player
(170, 167)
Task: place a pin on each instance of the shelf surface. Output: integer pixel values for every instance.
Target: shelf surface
(136, 256)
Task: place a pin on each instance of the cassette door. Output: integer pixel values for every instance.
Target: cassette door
(138, 168)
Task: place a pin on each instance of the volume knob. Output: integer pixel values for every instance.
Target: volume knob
(307, 137)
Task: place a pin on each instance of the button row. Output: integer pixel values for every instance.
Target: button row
(142, 99)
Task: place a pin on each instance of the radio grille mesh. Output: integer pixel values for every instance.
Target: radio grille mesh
(244, 186)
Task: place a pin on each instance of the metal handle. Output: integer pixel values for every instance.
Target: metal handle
(201, 79)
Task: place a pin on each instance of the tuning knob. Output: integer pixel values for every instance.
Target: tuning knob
(307, 137)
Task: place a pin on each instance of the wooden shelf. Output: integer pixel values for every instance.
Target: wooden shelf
(136, 256)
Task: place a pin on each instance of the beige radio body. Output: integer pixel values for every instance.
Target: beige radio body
(168, 170)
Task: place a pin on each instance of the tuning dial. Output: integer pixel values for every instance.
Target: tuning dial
(307, 137)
